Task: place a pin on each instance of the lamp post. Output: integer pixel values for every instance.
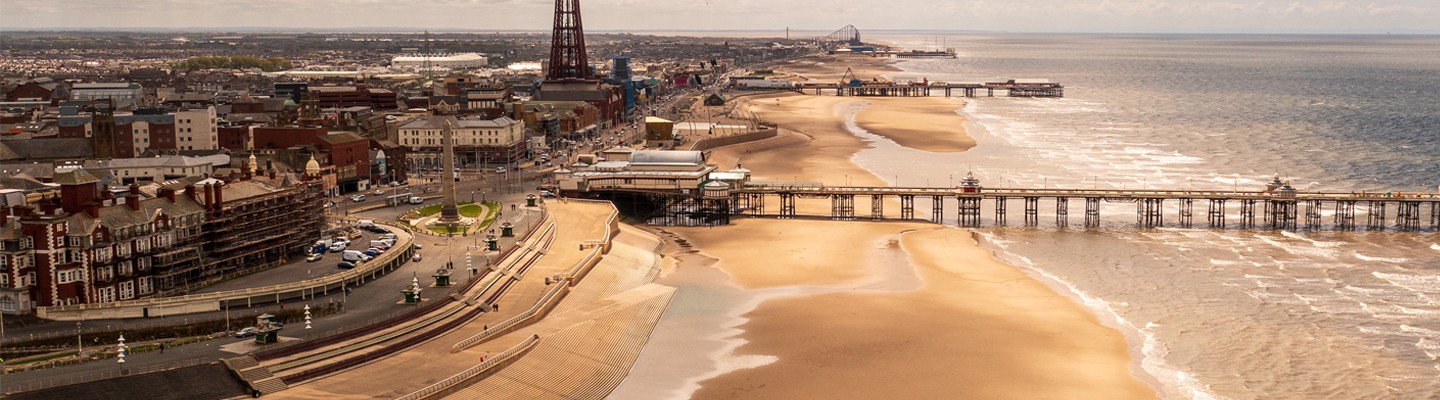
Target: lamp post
(121, 350)
(307, 316)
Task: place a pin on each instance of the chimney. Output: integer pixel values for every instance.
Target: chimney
(23, 211)
(219, 199)
(168, 194)
(132, 199)
(93, 208)
(135, 189)
(190, 192)
(209, 199)
(107, 198)
(4, 215)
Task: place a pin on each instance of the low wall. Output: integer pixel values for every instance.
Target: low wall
(711, 143)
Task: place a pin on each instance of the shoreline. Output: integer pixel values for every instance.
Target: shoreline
(817, 144)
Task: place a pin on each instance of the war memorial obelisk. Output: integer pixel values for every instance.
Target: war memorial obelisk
(449, 212)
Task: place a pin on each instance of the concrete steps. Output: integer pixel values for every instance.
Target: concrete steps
(257, 376)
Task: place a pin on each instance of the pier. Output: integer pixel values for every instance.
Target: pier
(1010, 88)
(1278, 207)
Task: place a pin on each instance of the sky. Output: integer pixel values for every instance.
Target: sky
(1117, 16)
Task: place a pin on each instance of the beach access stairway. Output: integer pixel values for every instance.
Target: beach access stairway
(257, 376)
(587, 360)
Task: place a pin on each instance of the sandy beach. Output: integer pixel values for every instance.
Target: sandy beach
(855, 310)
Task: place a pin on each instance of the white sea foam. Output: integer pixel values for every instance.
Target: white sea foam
(1394, 260)
(1435, 246)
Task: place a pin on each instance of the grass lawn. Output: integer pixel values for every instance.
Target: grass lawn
(470, 210)
(444, 230)
(435, 209)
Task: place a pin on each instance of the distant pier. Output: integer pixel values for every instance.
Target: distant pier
(1010, 88)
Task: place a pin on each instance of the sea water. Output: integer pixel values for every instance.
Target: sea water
(1226, 314)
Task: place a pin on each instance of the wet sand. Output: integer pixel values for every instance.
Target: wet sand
(925, 123)
(977, 329)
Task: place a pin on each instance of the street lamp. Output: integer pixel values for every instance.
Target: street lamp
(121, 350)
(307, 316)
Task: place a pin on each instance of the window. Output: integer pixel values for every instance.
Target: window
(145, 285)
(105, 294)
(127, 290)
(67, 276)
(27, 243)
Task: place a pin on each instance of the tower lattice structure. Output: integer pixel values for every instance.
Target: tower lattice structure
(567, 43)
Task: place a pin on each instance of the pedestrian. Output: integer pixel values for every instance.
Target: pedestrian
(162, 348)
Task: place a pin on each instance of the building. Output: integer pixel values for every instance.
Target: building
(351, 96)
(39, 89)
(345, 155)
(441, 61)
(638, 170)
(158, 169)
(143, 129)
(88, 245)
(605, 97)
(499, 141)
(559, 119)
(123, 94)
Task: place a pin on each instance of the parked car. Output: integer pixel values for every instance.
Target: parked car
(415, 257)
(547, 194)
(314, 257)
(372, 252)
(247, 332)
(345, 265)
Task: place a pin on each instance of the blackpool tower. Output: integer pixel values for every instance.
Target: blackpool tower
(567, 43)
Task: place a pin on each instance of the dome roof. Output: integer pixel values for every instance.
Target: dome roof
(717, 185)
(312, 167)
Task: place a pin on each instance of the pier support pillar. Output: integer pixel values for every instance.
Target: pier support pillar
(1247, 213)
(877, 207)
(1345, 215)
(907, 206)
(1282, 214)
(842, 206)
(1150, 212)
(1217, 214)
(1375, 218)
(1408, 215)
(1187, 212)
(970, 211)
(787, 205)
(1062, 211)
(1000, 211)
(937, 209)
(1032, 211)
(1092, 212)
(1313, 209)
(1435, 216)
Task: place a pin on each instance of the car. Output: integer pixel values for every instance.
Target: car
(415, 257)
(547, 194)
(387, 236)
(247, 332)
(379, 192)
(416, 246)
(499, 170)
(357, 198)
(314, 257)
(372, 252)
(345, 265)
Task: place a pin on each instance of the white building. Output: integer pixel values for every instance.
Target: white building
(484, 140)
(196, 129)
(448, 61)
(156, 169)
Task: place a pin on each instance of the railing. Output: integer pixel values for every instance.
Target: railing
(472, 371)
(327, 280)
